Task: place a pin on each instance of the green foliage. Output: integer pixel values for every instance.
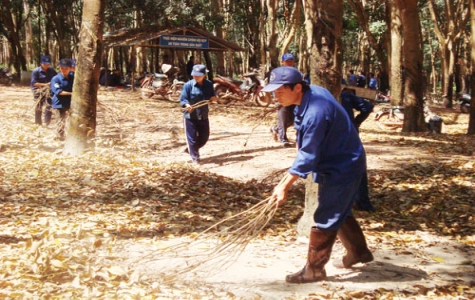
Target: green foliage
(378, 28)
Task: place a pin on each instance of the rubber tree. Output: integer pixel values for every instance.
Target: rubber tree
(471, 122)
(82, 119)
(11, 24)
(413, 66)
(324, 26)
(380, 46)
(396, 81)
(449, 27)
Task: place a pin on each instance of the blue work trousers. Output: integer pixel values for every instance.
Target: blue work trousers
(335, 202)
(362, 201)
(197, 134)
(285, 120)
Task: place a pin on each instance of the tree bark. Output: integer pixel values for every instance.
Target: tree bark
(413, 66)
(11, 18)
(220, 59)
(471, 121)
(82, 120)
(324, 25)
(292, 26)
(272, 33)
(324, 38)
(448, 31)
(395, 79)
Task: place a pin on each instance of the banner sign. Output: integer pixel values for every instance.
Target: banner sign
(184, 41)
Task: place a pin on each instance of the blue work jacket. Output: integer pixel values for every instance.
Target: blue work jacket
(328, 143)
(192, 93)
(60, 83)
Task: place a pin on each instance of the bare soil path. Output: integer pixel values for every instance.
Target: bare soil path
(413, 260)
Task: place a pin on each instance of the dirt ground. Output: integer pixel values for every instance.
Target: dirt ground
(241, 148)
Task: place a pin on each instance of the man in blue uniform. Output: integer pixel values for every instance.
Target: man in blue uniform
(196, 122)
(40, 78)
(61, 90)
(352, 78)
(285, 114)
(328, 147)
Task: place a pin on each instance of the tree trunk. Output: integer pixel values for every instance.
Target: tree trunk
(396, 81)
(311, 203)
(471, 121)
(449, 26)
(324, 25)
(293, 25)
(272, 34)
(29, 51)
(380, 47)
(325, 44)
(82, 120)
(220, 59)
(448, 59)
(12, 21)
(413, 63)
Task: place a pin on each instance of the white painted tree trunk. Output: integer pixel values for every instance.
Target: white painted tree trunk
(311, 203)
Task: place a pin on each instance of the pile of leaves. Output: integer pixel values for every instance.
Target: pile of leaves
(65, 219)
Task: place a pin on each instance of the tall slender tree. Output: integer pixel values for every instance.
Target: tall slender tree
(11, 24)
(413, 66)
(449, 27)
(396, 80)
(324, 25)
(471, 122)
(82, 121)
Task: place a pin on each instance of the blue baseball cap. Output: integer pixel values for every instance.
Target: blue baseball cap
(287, 56)
(73, 62)
(64, 62)
(199, 70)
(282, 75)
(45, 60)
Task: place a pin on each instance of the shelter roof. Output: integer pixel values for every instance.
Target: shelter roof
(141, 36)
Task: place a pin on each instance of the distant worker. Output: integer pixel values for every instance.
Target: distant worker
(352, 78)
(373, 83)
(361, 79)
(40, 80)
(189, 67)
(196, 122)
(285, 114)
(62, 90)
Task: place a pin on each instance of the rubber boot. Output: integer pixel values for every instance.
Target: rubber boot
(354, 241)
(319, 251)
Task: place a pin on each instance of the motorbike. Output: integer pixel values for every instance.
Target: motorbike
(229, 89)
(165, 84)
(464, 100)
(392, 117)
(6, 77)
(382, 97)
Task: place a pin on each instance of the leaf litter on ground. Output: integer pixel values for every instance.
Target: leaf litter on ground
(65, 220)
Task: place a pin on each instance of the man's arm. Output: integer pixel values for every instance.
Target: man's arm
(279, 195)
(364, 107)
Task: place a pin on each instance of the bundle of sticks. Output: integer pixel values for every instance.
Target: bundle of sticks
(216, 247)
(44, 93)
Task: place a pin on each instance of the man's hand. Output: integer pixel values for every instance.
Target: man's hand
(189, 108)
(279, 195)
(213, 100)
